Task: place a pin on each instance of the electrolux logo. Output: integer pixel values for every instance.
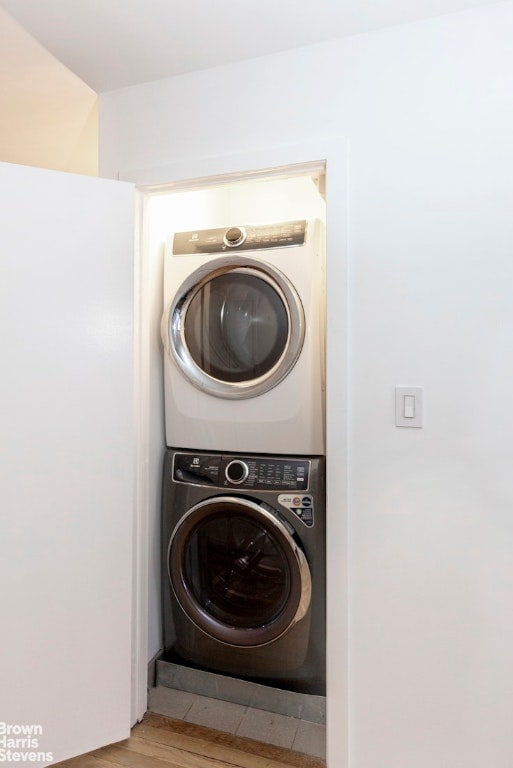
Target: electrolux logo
(19, 743)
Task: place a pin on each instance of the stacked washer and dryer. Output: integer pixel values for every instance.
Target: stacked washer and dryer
(243, 545)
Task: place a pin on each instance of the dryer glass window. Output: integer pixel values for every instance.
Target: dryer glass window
(237, 571)
(236, 327)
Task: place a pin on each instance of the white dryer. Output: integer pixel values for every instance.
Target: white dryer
(243, 331)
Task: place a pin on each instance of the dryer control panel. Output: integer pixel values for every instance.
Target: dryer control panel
(257, 472)
(240, 238)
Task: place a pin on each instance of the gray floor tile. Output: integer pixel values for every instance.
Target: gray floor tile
(282, 730)
(268, 727)
(166, 701)
(311, 739)
(220, 715)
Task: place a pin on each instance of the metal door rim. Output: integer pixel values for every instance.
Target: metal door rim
(173, 336)
(296, 558)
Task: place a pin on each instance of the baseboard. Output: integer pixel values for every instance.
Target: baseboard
(152, 670)
(304, 706)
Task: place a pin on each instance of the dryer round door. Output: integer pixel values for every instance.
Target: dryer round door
(235, 329)
(237, 572)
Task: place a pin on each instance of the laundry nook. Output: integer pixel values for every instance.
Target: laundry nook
(256, 339)
(243, 518)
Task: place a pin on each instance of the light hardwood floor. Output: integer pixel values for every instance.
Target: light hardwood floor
(159, 742)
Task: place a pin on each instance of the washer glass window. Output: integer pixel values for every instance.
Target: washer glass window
(236, 327)
(237, 571)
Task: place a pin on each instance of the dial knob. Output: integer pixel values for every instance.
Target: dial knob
(234, 236)
(236, 471)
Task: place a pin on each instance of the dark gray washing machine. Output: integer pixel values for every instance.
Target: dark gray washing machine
(244, 566)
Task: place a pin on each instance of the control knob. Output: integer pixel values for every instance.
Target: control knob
(236, 471)
(234, 236)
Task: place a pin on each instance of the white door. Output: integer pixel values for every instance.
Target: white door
(66, 467)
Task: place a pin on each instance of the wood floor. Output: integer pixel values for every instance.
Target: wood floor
(159, 742)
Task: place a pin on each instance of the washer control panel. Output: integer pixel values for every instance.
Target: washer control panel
(257, 472)
(240, 238)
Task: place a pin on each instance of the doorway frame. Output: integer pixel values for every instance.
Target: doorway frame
(197, 172)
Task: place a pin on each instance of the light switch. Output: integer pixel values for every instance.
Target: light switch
(408, 406)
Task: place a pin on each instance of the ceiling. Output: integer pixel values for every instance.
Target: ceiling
(111, 44)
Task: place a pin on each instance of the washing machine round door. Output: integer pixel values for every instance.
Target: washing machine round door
(235, 329)
(237, 572)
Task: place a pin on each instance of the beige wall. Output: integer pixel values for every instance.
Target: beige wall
(48, 116)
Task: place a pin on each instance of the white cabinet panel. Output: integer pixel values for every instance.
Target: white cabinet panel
(66, 469)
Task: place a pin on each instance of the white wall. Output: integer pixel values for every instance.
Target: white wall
(428, 113)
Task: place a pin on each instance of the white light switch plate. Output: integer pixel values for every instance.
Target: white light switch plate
(408, 406)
